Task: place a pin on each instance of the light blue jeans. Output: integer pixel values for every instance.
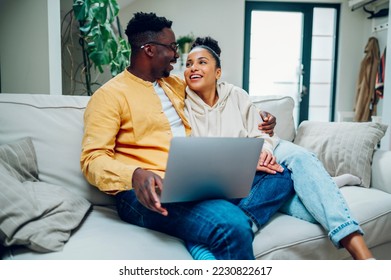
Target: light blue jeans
(317, 199)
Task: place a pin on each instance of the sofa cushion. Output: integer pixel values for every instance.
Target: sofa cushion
(343, 147)
(282, 108)
(286, 237)
(103, 236)
(19, 159)
(381, 163)
(55, 125)
(35, 214)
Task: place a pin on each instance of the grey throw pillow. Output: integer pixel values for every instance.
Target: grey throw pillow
(35, 214)
(20, 160)
(343, 147)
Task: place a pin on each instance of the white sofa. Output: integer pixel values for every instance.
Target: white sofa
(55, 125)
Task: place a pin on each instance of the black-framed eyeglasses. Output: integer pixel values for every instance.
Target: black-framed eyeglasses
(173, 46)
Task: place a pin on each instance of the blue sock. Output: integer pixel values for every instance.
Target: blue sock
(199, 251)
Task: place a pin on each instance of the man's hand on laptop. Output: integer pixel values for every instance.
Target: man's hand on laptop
(147, 187)
(269, 122)
(267, 163)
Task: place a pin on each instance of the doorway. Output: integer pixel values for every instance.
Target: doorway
(291, 49)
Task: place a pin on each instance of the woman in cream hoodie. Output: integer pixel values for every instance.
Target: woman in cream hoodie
(221, 109)
(233, 115)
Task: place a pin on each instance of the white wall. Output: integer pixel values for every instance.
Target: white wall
(386, 113)
(24, 46)
(224, 20)
(221, 19)
(54, 38)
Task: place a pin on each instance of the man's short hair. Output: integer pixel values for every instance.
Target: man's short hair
(144, 27)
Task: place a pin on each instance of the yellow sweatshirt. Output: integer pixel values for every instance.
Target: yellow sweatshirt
(125, 128)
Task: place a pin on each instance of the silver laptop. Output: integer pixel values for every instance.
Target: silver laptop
(206, 168)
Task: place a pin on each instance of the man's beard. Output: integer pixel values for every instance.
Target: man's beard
(166, 73)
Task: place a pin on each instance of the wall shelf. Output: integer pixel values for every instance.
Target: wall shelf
(356, 4)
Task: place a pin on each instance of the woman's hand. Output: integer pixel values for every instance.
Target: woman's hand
(147, 187)
(268, 163)
(269, 122)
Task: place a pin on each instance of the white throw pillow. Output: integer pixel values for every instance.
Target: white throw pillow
(282, 108)
(343, 147)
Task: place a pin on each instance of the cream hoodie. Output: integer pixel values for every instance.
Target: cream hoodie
(234, 115)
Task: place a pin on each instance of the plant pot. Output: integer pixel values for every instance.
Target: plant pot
(186, 48)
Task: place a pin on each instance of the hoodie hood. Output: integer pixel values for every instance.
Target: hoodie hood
(206, 120)
(199, 106)
(233, 115)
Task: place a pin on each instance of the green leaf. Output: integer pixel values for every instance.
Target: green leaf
(112, 45)
(100, 68)
(91, 45)
(106, 32)
(98, 11)
(86, 27)
(113, 9)
(103, 45)
(95, 31)
(80, 10)
(100, 58)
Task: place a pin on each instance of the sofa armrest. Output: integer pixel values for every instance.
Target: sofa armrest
(381, 178)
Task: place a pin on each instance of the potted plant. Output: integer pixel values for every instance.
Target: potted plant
(184, 43)
(100, 43)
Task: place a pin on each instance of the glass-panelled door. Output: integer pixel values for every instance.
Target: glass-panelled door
(290, 50)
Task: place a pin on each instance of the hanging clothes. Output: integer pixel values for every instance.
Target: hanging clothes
(365, 106)
(379, 87)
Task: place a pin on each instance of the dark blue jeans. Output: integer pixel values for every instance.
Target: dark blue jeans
(219, 224)
(268, 193)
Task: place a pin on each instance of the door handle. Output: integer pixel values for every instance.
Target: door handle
(304, 90)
